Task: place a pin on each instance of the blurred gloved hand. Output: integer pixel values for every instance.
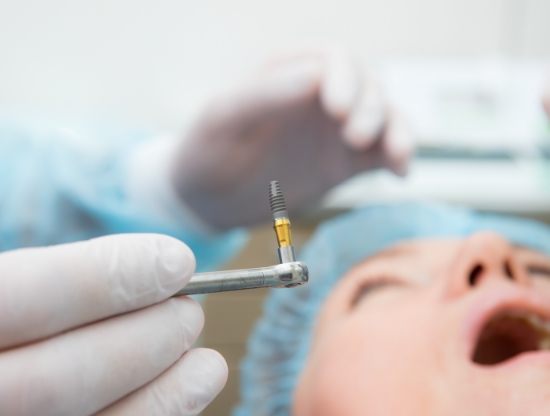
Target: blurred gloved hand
(86, 327)
(310, 122)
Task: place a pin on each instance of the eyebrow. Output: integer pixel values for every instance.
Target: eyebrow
(391, 252)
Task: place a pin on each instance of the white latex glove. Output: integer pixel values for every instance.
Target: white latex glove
(86, 327)
(310, 122)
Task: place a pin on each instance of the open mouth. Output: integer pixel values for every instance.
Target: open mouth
(509, 334)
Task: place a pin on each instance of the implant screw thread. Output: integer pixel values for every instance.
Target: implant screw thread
(281, 223)
(277, 200)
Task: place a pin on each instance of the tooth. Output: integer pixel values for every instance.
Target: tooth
(534, 320)
(544, 343)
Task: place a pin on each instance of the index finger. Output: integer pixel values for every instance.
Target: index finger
(44, 291)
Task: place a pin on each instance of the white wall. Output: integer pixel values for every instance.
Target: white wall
(149, 63)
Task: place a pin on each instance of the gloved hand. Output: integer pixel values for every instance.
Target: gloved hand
(86, 327)
(310, 122)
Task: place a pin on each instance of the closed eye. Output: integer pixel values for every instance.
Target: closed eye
(539, 270)
(371, 286)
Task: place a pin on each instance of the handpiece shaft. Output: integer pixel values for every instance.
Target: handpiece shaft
(280, 275)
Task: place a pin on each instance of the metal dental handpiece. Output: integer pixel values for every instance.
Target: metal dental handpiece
(289, 273)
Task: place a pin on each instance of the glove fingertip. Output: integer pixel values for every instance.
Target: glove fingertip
(400, 151)
(190, 316)
(356, 140)
(176, 257)
(361, 133)
(218, 366)
(338, 97)
(205, 373)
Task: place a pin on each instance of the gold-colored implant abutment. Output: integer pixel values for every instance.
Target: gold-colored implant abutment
(282, 230)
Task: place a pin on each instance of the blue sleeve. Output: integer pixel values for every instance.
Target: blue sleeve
(57, 188)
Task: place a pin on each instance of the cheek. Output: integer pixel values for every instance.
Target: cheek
(359, 366)
(541, 285)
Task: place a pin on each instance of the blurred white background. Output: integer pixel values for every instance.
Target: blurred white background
(150, 63)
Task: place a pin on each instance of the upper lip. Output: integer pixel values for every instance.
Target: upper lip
(495, 302)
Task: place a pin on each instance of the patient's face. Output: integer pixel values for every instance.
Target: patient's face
(434, 327)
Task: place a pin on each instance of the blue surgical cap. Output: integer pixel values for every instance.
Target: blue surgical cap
(279, 344)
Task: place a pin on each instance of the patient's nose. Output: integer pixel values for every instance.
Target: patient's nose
(481, 257)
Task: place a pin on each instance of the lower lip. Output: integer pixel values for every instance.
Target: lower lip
(529, 359)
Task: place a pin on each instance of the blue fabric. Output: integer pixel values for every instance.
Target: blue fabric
(280, 342)
(57, 188)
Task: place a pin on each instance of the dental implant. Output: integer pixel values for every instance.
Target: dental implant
(289, 273)
(281, 223)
